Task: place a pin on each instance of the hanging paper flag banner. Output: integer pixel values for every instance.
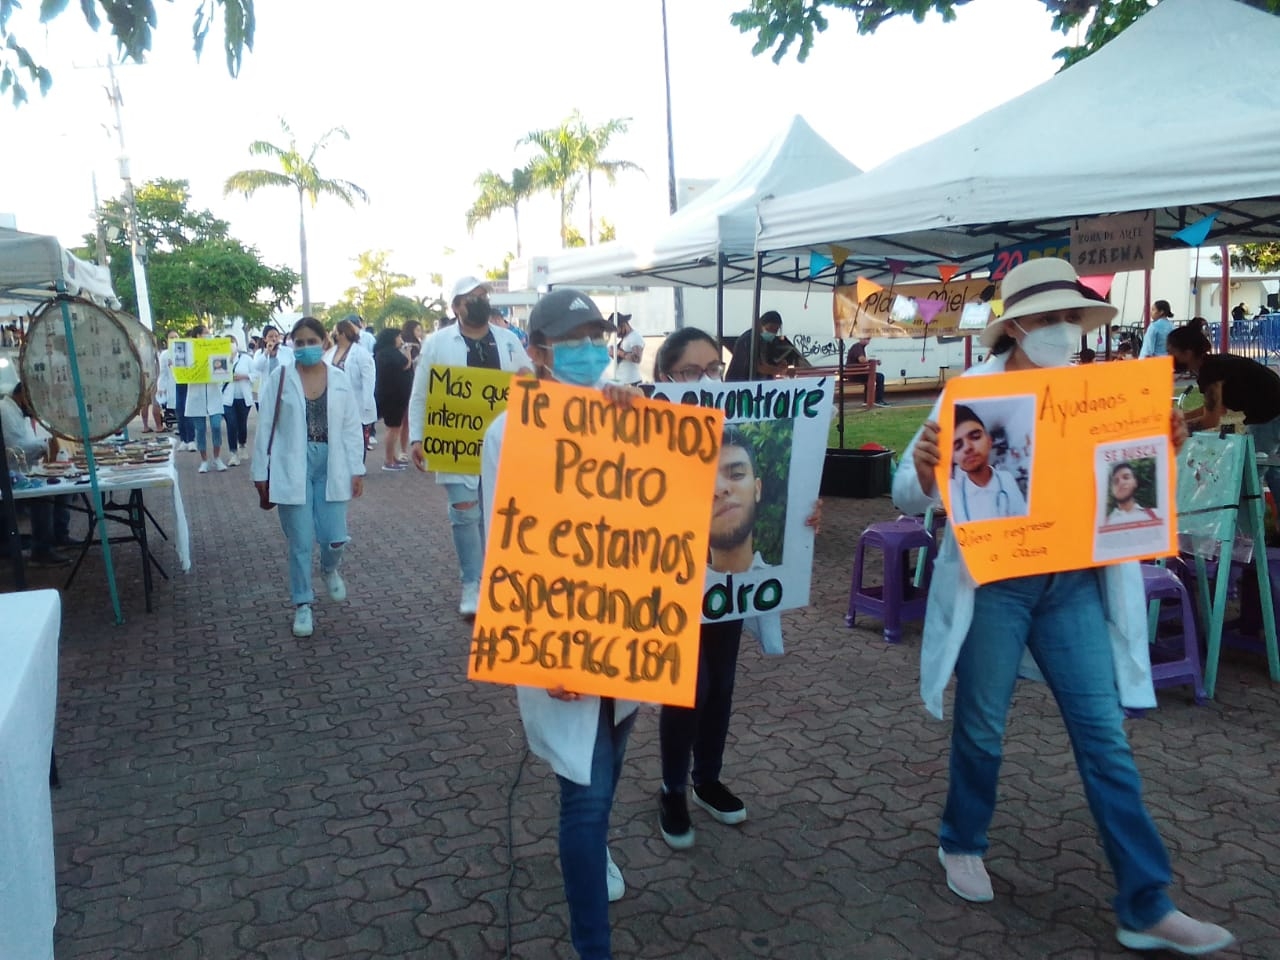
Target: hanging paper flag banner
(867, 288)
(1198, 232)
(947, 270)
(1099, 285)
(895, 267)
(818, 263)
(839, 255)
(997, 307)
(929, 308)
(904, 310)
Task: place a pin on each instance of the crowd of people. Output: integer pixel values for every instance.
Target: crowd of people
(319, 394)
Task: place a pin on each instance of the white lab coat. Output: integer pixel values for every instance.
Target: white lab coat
(361, 372)
(288, 461)
(203, 400)
(166, 387)
(239, 389)
(448, 347)
(561, 732)
(951, 596)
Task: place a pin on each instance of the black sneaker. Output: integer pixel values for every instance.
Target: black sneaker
(716, 799)
(49, 559)
(673, 820)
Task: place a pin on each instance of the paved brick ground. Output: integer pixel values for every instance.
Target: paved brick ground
(230, 791)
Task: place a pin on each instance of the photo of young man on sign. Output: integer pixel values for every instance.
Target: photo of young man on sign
(983, 487)
(1133, 494)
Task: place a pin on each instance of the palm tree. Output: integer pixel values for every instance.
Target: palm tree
(298, 172)
(594, 145)
(497, 193)
(559, 168)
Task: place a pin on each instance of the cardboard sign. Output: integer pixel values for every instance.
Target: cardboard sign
(893, 312)
(594, 568)
(1006, 258)
(1059, 469)
(207, 360)
(1108, 245)
(769, 471)
(461, 403)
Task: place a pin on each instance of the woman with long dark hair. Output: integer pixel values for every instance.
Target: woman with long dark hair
(394, 383)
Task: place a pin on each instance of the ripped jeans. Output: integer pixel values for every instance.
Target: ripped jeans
(317, 520)
(468, 536)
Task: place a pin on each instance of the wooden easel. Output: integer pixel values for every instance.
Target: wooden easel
(1220, 492)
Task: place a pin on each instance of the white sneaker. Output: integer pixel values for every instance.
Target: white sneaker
(967, 876)
(234, 460)
(218, 464)
(470, 599)
(204, 467)
(302, 626)
(337, 587)
(613, 877)
(1178, 933)
(373, 442)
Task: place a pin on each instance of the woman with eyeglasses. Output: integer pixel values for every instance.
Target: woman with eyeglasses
(311, 426)
(698, 733)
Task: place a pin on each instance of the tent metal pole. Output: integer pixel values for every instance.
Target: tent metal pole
(840, 365)
(1225, 252)
(720, 301)
(90, 462)
(755, 317)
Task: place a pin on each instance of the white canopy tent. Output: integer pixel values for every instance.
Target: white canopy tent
(32, 267)
(1166, 117)
(688, 248)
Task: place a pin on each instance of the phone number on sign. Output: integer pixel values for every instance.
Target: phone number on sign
(635, 660)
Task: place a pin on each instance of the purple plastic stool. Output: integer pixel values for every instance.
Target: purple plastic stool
(1182, 666)
(897, 600)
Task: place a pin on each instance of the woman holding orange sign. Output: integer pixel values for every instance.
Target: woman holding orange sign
(1085, 630)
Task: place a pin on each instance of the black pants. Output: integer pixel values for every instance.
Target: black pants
(700, 731)
(236, 418)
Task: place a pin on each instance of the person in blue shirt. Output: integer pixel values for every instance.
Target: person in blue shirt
(1153, 344)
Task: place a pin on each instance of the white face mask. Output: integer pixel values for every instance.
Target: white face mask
(1050, 346)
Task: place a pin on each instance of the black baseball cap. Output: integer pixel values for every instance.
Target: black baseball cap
(563, 311)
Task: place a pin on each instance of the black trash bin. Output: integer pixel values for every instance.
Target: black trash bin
(857, 473)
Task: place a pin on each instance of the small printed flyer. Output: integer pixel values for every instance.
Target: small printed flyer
(1059, 469)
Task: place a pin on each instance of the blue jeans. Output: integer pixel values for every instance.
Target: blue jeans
(215, 427)
(1060, 618)
(468, 539)
(237, 416)
(584, 836)
(701, 730)
(316, 520)
(1266, 440)
(186, 434)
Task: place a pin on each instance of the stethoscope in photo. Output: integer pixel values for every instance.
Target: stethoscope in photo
(1002, 496)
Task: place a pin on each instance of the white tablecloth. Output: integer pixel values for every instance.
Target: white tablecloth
(29, 627)
(123, 479)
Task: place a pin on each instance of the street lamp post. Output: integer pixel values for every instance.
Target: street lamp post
(137, 250)
(671, 155)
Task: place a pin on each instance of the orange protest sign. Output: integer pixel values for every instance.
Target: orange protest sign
(597, 545)
(1059, 469)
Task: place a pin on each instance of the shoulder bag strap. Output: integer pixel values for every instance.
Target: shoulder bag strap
(275, 418)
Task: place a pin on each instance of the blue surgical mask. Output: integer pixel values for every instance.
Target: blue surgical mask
(309, 356)
(767, 335)
(581, 362)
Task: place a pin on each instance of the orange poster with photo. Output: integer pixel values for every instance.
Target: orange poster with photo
(597, 545)
(1059, 469)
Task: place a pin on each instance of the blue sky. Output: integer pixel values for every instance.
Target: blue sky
(432, 93)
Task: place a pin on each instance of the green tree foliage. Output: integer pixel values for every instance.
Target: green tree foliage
(131, 22)
(780, 23)
(1263, 257)
(195, 269)
(771, 440)
(498, 194)
(377, 294)
(298, 172)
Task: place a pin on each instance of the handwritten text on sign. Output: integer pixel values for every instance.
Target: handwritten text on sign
(873, 316)
(597, 545)
(206, 360)
(1050, 470)
(461, 403)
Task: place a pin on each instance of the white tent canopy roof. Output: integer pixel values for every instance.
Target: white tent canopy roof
(31, 266)
(1161, 119)
(722, 220)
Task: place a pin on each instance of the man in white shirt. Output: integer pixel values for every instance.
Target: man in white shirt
(628, 350)
(981, 491)
(471, 342)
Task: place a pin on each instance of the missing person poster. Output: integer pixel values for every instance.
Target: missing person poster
(461, 403)
(1060, 469)
(206, 360)
(770, 468)
(892, 312)
(593, 574)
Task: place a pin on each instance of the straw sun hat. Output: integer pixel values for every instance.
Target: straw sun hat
(1042, 286)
